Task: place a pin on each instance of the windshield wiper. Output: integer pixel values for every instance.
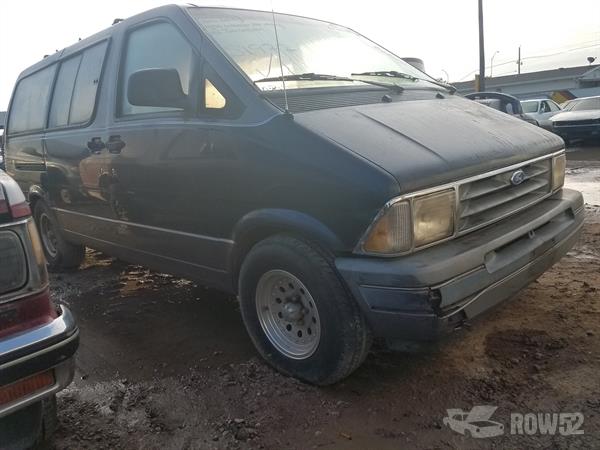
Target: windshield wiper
(386, 73)
(310, 76)
(396, 74)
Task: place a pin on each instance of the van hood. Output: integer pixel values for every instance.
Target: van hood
(588, 114)
(424, 143)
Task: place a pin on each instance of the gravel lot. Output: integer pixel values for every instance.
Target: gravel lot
(166, 364)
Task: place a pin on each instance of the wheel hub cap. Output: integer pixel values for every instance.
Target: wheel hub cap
(288, 314)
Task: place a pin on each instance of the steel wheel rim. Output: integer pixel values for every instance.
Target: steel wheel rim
(49, 238)
(288, 314)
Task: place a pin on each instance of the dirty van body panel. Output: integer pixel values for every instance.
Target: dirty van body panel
(187, 192)
(425, 143)
(27, 157)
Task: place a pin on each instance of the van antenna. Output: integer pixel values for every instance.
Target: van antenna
(287, 109)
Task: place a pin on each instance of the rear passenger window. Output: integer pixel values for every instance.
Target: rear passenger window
(30, 102)
(63, 92)
(86, 86)
(76, 87)
(157, 46)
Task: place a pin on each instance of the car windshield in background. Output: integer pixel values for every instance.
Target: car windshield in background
(585, 104)
(308, 46)
(529, 107)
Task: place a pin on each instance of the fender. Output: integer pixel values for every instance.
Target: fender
(259, 224)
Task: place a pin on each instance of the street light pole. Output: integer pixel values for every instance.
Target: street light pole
(448, 76)
(492, 63)
(481, 49)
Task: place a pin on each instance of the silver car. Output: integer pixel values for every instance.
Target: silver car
(541, 110)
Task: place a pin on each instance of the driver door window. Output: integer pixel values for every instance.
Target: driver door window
(156, 46)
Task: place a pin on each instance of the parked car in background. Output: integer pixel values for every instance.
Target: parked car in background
(580, 120)
(502, 102)
(364, 200)
(2, 120)
(540, 110)
(37, 339)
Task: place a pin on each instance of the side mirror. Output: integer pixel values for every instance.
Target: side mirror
(156, 87)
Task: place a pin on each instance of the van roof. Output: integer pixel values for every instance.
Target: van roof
(165, 10)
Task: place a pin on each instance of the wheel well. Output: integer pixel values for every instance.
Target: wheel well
(250, 238)
(34, 197)
(245, 243)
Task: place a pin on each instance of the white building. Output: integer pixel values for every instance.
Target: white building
(559, 84)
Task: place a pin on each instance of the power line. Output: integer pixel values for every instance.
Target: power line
(535, 57)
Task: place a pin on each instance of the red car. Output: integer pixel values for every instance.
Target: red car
(37, 338)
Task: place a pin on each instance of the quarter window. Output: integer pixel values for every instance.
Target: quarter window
(213, 99)
(30, 101)
(157, 46)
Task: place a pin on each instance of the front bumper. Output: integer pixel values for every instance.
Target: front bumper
(50, 346)
(419, 297)
(570, 132)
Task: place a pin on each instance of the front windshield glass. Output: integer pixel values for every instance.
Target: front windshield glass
(585, 104)
(307, 46)
(529, 107)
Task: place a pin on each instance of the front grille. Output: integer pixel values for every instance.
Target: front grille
(488, 199)
(13, 269)
(566, 123)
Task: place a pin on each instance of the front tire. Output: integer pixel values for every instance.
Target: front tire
(60, 254)
(298, 312)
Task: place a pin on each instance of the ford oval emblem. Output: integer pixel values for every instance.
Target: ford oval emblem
(517, 177)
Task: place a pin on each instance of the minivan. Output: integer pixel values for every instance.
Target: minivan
(342, 194)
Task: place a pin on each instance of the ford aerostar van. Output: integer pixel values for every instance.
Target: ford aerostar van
(341, 193)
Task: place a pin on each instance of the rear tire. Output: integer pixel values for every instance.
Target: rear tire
(60, 254)
(298, 312)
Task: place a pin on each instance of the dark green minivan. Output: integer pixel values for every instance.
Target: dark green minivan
(341, 193)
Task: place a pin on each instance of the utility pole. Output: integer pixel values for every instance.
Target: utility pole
(492, 64)
(481, 49)
(519, 61)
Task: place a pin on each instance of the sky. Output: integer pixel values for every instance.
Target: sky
(444, 33)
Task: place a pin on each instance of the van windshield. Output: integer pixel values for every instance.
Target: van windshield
(308, 46)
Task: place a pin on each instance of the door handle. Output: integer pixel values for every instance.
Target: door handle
(95, 145)
(115, 144)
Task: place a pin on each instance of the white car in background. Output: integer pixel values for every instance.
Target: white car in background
(541, 110)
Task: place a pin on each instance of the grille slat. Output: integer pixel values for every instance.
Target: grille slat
(488, 199)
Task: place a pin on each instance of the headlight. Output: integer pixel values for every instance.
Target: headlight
(434, 217)
(559, 164)
(411, 223)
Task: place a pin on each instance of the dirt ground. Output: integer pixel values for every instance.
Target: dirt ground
(166, 364)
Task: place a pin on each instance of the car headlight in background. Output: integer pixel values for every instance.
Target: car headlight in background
(411, 223)
(559, 163)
